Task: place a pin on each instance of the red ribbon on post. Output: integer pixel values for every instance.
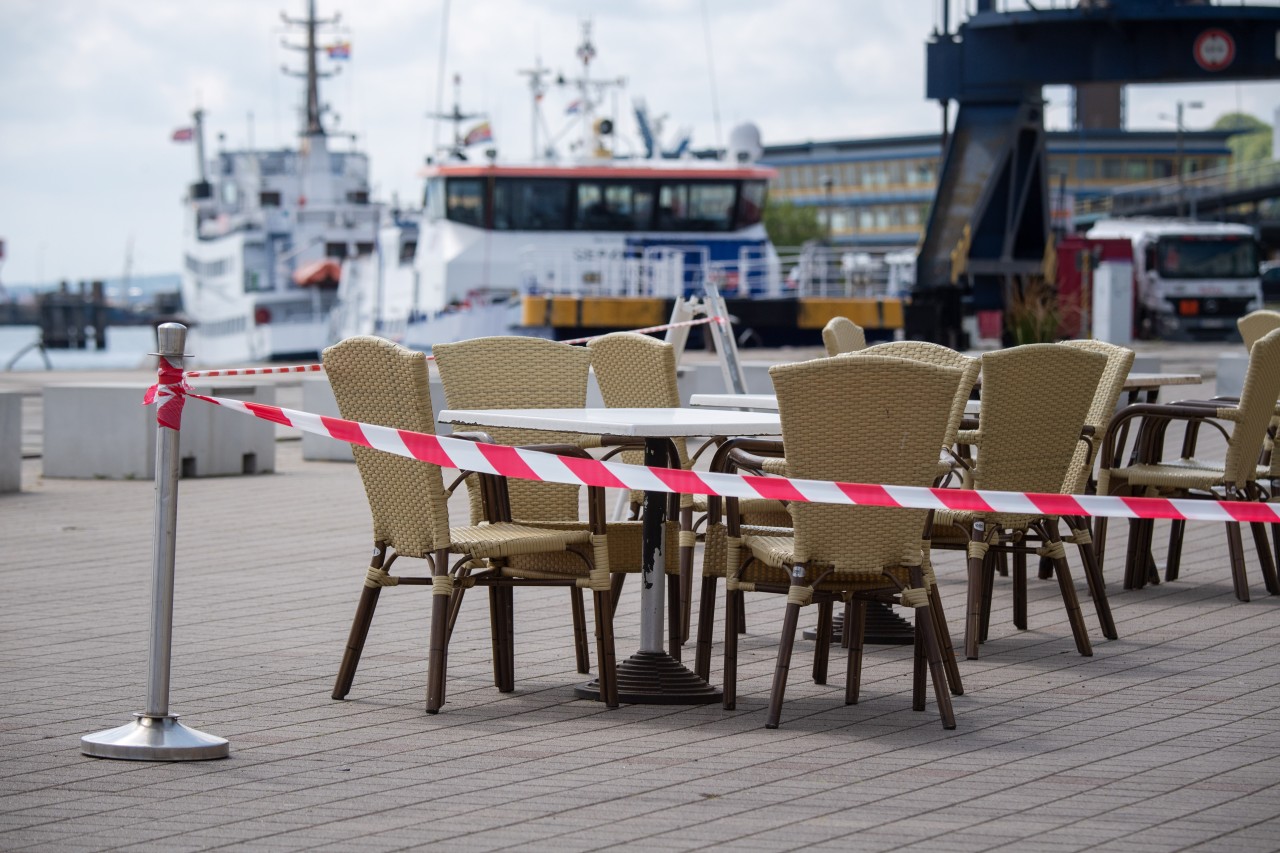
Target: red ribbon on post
(171, 390)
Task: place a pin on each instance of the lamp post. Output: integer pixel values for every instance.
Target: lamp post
(827, 183)
(1179, 157)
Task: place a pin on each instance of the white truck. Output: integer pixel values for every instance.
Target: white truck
(1190, 278)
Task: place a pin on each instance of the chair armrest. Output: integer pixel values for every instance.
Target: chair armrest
(1154, 419)
(759, 447)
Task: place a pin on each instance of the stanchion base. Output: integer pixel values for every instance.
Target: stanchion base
(154, 739)
(884, 627)
(655, 678)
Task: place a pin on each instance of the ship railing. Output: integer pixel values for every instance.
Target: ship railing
(816, 270)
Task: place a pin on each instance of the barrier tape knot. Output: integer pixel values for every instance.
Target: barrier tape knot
(171, 391)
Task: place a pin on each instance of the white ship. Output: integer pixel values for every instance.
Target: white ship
(266, 232)
(498, 248)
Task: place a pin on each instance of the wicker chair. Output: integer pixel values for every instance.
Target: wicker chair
(1237, 478)
(856, 553)
(1254, 325)
(758, 515)
(842, 335)
(509, 372)
(376, 381)
(1035, 400)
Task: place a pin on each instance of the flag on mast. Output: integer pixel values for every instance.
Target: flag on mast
(184, 134)
(480, 133)
(339, 50)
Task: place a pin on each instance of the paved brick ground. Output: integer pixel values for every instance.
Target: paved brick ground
(1166, 739)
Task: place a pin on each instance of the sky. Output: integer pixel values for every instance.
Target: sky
(91, 91)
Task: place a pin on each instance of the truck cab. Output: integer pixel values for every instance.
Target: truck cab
(1191, 279)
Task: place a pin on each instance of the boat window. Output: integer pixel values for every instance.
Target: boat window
(364, 249)
(230, 194)
(269, 198)
(750, 203)
(614, 206)
(700, 206)
(530, 205)
(433, 199)
(335, 250)
(464, 201)
(407, 250)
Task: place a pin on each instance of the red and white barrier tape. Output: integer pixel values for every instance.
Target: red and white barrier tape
(319, 368)
(533, 465)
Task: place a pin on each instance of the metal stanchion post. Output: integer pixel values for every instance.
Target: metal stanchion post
(155, 734)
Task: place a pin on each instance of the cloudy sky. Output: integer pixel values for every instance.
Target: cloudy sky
(92, 90)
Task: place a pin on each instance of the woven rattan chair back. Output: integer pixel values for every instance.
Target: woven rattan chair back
(871, 419)
(1254, 325)
(842, 335)
(516, 372)
(376, 381)
(946, 357)
(1035, 399)
(1101, 410)
(636, 372)
(1256, 409)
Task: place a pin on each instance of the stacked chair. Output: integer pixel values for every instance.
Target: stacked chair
(376, 381)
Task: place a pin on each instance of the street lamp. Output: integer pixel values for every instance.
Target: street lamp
(1179, 128)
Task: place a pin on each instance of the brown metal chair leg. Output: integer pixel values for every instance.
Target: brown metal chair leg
(355, 641)
(1265, 557)
(1068, 589)
(1173, 562)
(988, 589)
(919, 665)
(783, 666)
(925, 626)
(940, 629)
(731, 649)
(608, 676)
(507, 595)
(1020, 589)
(822, 648)
(438, 649)
(675, 640)
(1097, 587)
(855, 628)
(1235, 547)
(973, 613)
(497, 637)
(742, 614)
(581, 646)
(706, 623)
(615, 589)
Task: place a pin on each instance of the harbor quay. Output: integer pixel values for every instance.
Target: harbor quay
(1166, 739)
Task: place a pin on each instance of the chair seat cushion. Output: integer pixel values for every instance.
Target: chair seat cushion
(1188, 473)
(507, 539)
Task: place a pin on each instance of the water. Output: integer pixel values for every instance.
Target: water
(127, 348)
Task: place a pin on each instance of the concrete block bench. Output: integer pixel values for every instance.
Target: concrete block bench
(102, 431)
(10, 441)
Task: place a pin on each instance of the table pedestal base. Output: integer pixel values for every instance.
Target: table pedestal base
(655, 678)
(884, 627)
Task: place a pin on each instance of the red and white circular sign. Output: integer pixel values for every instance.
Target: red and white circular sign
(1214, 49)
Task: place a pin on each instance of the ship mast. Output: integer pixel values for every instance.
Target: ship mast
(457, 116)
(312, 125)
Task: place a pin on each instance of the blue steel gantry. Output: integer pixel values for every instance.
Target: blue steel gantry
(989, 222)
